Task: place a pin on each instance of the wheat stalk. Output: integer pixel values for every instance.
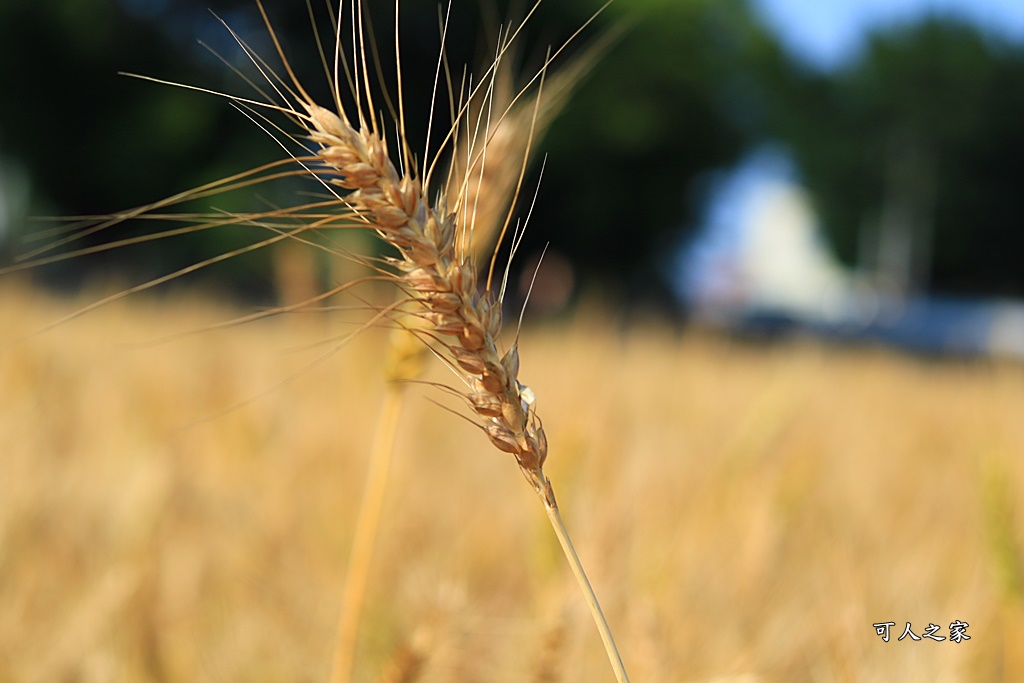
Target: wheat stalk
(486, 186)
(462, 322)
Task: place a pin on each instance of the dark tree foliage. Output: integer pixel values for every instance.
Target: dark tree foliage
(687, 88)
(95, 142)
(926, 122)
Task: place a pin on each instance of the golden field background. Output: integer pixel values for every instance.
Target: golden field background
(745, 513)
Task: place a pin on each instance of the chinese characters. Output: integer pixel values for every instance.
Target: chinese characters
(957, 631)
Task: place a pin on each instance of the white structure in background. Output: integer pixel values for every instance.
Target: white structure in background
(783, 264)
(762, 250)
(761, 258)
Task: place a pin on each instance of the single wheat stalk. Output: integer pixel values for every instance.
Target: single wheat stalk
(365, 534)
(487, 182)
(462, 322)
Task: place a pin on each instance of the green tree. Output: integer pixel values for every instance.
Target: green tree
(913, 155)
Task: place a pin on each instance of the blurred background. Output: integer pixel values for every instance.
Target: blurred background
(851, 168)
(180, 507)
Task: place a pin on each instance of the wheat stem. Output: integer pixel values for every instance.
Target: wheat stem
(547, 496)
(367, 522)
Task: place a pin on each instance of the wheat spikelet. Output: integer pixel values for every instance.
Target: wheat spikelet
(439, 281)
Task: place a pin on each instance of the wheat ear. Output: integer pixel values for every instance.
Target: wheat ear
(444, 286)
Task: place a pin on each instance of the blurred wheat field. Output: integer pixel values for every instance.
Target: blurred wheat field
(746, 514)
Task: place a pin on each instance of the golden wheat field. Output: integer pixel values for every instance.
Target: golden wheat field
(180, 508)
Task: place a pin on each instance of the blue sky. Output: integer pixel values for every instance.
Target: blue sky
(825, 33)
